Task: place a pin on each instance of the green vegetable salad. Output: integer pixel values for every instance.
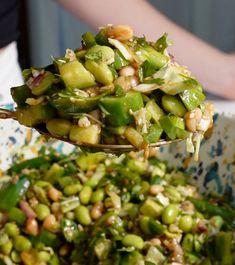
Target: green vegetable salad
(102, 209)
(116, 89)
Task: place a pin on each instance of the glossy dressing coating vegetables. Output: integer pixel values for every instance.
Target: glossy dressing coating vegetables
(115, 79)
(103, 209)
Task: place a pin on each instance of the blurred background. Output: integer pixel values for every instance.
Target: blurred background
(47, 29)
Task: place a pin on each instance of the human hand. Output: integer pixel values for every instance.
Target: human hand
(221, 77)
(228, 90)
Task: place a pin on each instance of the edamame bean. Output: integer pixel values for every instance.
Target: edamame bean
(169, 214)
(132, 240)
(11, 229)
(105, 52)
(186, 223)
(85, 194)
(72, 189)
(42, 211)
(15, 256)
(82, 215)
(217, 221)
(173, 105)
(6, 248)
(187, 243)
(22, 243)
(43, 256)
(97, 196)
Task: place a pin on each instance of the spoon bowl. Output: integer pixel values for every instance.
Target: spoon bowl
(108, 148)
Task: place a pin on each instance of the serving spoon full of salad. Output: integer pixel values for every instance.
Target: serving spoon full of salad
(117, 92)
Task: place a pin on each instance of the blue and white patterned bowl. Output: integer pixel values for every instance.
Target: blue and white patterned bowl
(215, 170)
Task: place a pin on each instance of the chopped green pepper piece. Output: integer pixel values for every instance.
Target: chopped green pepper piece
(75, 75)
(162, 43)
(173, 126)
(102, 248)
(39, 87)
(134, 137)
(131, 258)
(154, 133)
(70, 103)
(155, 111)
(101, 38)
(34, 115)
(119, 107)
(173, 105)
(54, 173)
(146, 69)
(20, 94)
(89, 135)
(90, 161)
(119, 60)
(69, 229)
(192, 98)
(50, 239)
(223, 247)
(151, 208)
(148, 53)
(11, 194)
(211, 209)
(30, 163)
(89, 39)
(155, 227)
(17, 215)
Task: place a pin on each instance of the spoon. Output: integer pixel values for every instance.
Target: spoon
(108, 148)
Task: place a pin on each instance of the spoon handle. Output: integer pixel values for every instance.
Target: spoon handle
(7, 114)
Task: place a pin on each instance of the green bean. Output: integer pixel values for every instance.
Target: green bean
(21, 243)
(97, 196)
(132, 240)
(169, 214)
(11, 229)
(186, 223)
(82, 215)
(72, 189)
(42, 211)
(85, 194)
(173, 105)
